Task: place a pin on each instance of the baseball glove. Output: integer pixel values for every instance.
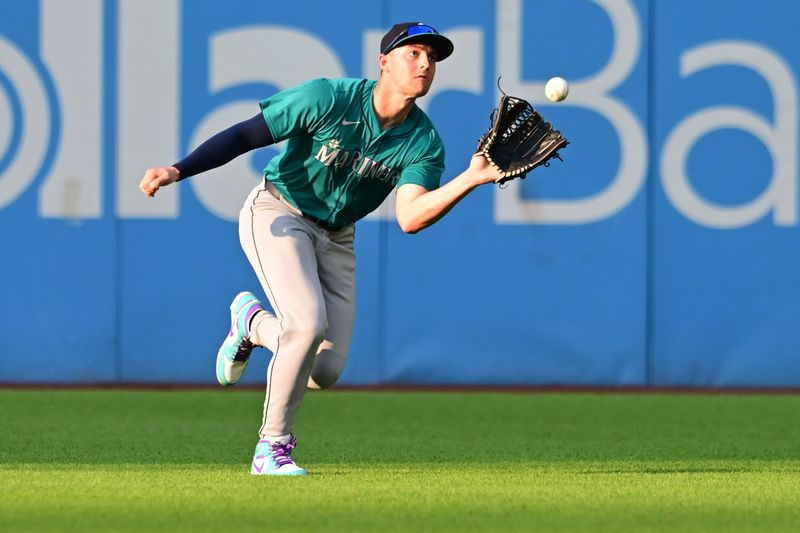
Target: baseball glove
(519, 139)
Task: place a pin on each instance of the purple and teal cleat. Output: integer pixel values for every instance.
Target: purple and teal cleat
(235, 351)
(275, 459)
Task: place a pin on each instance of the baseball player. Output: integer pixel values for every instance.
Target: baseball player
(350, 143)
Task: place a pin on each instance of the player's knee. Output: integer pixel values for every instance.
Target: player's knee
(323, 376)
(309, 332)
(321, 381)
(328, 366)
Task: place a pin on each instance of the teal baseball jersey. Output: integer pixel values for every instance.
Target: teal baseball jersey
(338, 165)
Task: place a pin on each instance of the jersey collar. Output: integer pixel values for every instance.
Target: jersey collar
(372, 119)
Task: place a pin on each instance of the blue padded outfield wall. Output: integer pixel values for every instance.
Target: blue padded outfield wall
(664, 251)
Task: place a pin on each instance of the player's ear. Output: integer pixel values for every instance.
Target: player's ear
(383, 59)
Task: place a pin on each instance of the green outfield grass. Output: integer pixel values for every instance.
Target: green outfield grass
(380, 461)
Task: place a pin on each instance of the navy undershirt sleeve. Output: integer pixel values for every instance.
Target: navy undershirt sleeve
(225, 146)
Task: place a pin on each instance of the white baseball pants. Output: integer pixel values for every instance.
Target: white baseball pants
(308, 275)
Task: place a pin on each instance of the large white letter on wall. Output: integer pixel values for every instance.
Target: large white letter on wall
(72, 49)
(148, 105)
(33, 121)
(592, 93)
(780, 139)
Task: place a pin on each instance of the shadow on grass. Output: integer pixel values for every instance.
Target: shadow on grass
(740, 468)
(596, 434)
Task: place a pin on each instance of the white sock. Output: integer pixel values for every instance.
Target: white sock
(282, 439)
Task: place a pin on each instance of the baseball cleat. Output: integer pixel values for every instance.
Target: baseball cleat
(235, 351)
(275, 459)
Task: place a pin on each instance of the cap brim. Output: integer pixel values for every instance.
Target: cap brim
(443, 46)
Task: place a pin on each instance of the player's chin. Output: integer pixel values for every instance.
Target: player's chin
(422, 90)
(421, 87)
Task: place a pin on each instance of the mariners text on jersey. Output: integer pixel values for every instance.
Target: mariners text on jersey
(330, 153)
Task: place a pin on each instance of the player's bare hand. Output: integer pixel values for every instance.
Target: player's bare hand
(155, 178)
(482, 171)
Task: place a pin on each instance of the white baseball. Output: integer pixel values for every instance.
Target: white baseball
(556, 89)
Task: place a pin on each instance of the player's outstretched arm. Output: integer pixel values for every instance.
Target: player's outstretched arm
(215, 152)
(417, 208)
(155, 178)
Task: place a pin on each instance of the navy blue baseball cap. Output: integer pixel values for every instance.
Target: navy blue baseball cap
(416, 32)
